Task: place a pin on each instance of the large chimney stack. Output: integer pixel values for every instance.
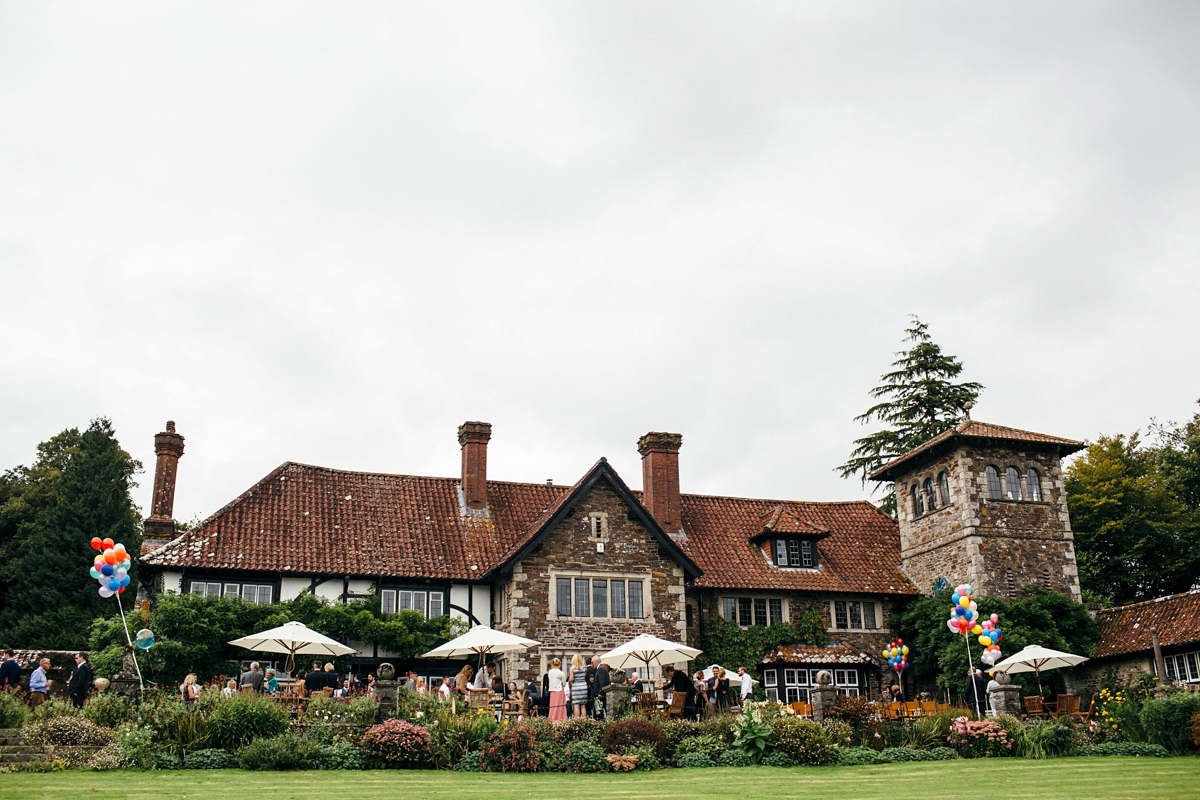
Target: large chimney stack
(168, 446)
(660, 478)
(473, 436)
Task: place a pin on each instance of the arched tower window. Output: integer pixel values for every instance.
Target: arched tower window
(1012, 482)
(993, 481)
(930, 494)
(917, 501)
(1033, 485)
(944, 489)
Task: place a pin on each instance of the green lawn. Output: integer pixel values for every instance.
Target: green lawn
(1067, 778)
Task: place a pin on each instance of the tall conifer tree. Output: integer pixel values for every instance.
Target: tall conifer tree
(918, 399)
(52, 601)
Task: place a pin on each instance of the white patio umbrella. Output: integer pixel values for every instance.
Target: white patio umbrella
(481, 639)
(1036, 658)
(293, 638)
(708, 672)
(648, 650)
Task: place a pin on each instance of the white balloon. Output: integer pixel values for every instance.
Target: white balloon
(106, 592)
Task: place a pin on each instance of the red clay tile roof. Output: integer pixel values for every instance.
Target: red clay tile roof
(1126, 629)
(782, 521)
(973, 429)
(832, 653)
(309, 520)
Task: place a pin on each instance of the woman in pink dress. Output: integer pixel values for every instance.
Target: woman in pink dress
(557, 684)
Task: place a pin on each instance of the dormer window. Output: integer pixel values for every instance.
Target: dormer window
(795, 552)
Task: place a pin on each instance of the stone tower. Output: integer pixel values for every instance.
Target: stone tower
(985, 505)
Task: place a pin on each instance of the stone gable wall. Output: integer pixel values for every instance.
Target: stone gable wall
(998, 546)
(526, 599)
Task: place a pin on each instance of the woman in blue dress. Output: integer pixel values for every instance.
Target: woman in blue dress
(579, 686)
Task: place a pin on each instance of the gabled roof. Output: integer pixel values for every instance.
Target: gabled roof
(1126, 629)
(307, 520)
(781, 522)
(832, 653)
(973, 429)
(556, 512)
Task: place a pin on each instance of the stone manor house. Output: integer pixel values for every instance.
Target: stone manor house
(583, 568)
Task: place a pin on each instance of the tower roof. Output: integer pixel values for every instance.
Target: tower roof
(984, 431)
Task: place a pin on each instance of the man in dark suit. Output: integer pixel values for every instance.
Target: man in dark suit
(975, 695)
(599, 681)
(315, 680)
(81, 680)
(252, 677)
(10, 672)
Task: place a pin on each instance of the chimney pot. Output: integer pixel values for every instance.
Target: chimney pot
(474, 436)
(660, 478)
(168, 447)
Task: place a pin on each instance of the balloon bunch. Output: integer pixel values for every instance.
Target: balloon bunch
(110, 567)
(964, 615)
(896, 654)
(990, 638)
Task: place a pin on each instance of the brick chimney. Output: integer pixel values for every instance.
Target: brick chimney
(473, 436)
(660, 478)
(168, 446)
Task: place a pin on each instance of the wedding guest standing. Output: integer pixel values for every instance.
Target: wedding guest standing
(556, 683)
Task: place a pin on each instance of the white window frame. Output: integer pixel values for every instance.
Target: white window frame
(786, 615)
(590, 576)
(805, 555)
(410, 599)
(232, 591)
(862, 617)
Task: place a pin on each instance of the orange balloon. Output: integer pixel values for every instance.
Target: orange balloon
(110, 558)
(97, 544)
(108, 542)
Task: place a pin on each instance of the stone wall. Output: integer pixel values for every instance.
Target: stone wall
(998, 546)
(526, 602)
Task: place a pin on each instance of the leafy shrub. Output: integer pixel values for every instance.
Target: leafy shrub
(856, 712)
(675, 731)
(68, 731)
(942, 754)
(1165, 721)
(779, 758)
(735, 758)
(398, 744)
(211, 758)
(646, 758)
(106, 759)
(167, 761)
(42, 765)
(333, 710)
(340, 755)
(289, 751)
(889, 755)
(752, 732)
(802, 740)
(632, 732)
(135, 746)
(183, 732)
(706, 745)
(579, 729)
(582, 756)
(856, 756)
(453, 735)
(719, 727)
(54, 707)
(237, 720)
(1040, 738)
(978, 739)
(13, 711)
(838, 732)
(470, 762)
(512, 750)
(696, 759)
(1124, 749)
(109, 709)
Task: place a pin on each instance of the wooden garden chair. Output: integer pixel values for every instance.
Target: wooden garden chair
(928, 708)
(912, 708)
(647, 703)
(512, 708)
(1034, 706)
(675, 710)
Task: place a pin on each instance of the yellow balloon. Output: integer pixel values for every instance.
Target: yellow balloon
(886, 653)
(977, 630)
(904, 650)
(983, 640)
(965, 602)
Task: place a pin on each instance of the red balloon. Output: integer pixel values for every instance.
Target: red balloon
(108, 543)
(97, 544)
(121, 590)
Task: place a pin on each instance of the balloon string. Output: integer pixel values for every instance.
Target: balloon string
(125, 625)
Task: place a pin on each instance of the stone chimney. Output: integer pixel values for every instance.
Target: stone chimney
(660, 478)
(473, 436)
(168, 446)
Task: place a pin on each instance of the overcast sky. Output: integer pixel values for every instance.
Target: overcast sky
(332, 232)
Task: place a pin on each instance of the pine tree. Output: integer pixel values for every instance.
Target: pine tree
(917, 400)
(53, 601)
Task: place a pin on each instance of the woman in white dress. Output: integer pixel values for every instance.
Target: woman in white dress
(557, 685)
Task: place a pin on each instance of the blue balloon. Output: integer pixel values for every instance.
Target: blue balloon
(144, 639)
(954, 598)
(107, 569)
(124, 581)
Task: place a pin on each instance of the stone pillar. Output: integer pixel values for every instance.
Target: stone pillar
(616, 695)
(168, 447)
(387, 689)
(824, 697)
(1005, 698)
